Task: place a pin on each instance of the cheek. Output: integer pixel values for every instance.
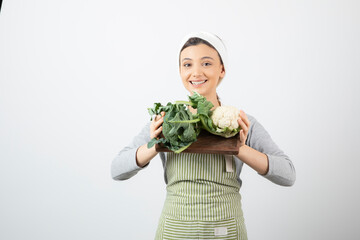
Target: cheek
(214, 77)
(184, 75)
(211, 74)
(216, 73)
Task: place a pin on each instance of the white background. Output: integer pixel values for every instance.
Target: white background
(77, 77)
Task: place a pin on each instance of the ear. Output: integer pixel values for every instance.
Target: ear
(222, 74)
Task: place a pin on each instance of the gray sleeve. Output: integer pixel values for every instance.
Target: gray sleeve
(124, 165)
(281, 169)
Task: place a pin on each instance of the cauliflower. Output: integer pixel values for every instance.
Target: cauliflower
(225, 120)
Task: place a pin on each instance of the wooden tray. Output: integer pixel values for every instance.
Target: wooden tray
(210, 143)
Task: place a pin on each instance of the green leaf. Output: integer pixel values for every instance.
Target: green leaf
(180, 128)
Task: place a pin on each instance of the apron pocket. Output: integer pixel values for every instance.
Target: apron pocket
(181, 229)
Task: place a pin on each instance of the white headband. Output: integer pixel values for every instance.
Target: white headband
(214, 40)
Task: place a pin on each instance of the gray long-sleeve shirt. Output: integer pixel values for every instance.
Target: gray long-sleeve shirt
(281, 169)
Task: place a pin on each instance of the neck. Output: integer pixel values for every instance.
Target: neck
(213, 99)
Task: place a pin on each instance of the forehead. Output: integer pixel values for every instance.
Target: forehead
(199, 51)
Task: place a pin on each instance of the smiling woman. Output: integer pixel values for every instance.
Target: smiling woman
(201, 66)
(201, 70)
(203, 199)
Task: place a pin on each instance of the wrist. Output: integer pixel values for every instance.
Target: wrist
(241, 151)
(253, 158)
(144, 155)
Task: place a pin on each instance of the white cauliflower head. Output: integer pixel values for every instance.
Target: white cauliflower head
(225, 120)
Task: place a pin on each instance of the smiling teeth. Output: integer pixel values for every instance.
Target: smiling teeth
(198, 83)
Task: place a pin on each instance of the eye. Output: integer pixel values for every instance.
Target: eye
(187, 65)
(207, 64)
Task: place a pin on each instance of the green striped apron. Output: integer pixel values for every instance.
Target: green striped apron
(203, 199)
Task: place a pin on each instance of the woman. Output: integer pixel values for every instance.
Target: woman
(203, 199)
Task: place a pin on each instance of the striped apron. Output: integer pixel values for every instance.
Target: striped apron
(203, 199)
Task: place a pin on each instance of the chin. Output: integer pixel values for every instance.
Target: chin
(201, 91)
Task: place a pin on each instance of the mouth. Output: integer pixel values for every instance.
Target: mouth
(197, 83)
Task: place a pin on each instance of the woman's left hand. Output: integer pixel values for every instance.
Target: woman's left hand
(255, 159)
(245, 125)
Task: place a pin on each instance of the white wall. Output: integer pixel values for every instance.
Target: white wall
(76, 78)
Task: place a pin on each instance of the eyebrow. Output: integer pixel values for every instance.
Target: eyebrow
(201, 58)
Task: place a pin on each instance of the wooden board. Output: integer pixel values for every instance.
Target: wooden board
(210, 143)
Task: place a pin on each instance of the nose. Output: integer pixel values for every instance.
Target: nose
(197, 72)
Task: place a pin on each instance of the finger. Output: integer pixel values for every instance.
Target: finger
(161, 115)
(242, 115)
(244, 118)
(157, 131)
(242, 136)
(155, 124)
(152, 124)
(159, 121)
(243, 125)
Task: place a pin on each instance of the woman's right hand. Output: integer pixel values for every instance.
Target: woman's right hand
(156, 125)
(145, 154)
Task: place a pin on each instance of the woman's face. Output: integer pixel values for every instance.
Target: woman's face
(201, 69)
